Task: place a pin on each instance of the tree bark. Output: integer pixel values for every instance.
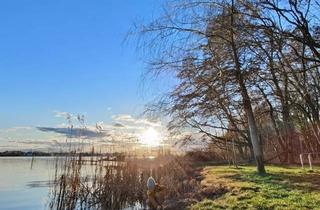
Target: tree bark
(255, 140)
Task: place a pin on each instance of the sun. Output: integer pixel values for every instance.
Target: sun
(150, 137)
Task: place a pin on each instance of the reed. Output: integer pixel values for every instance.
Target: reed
(98, 184)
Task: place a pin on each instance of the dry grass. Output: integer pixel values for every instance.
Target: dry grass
(116, 185)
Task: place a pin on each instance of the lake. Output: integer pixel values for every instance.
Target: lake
(23, 183)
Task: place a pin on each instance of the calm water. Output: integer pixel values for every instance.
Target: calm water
(23, 184)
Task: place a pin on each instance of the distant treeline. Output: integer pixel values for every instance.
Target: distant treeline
(45, 154)
(21, 153)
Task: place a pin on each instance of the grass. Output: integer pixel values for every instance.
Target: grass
(281, 188)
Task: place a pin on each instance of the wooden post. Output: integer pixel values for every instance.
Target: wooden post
(301, 160)
(235, 163)
(310, 163)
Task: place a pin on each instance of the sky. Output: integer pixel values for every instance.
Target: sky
(70, 56)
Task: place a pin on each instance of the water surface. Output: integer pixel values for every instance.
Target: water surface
(24, 182)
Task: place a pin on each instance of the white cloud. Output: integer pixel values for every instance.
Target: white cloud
(129, 120)
(14, 129)
(123, 118)
(150, 123)
(62, 114)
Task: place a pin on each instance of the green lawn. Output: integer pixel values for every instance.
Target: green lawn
(281, 188)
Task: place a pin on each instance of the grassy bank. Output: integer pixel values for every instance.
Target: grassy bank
(243, 188)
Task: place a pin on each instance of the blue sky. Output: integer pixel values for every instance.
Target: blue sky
(69, 56)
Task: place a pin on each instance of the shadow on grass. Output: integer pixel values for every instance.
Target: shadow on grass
(281, 188)
(297, 180)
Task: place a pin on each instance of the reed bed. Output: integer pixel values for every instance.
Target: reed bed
(111, 185)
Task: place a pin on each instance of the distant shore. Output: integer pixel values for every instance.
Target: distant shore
(47, 154)
(22, 154)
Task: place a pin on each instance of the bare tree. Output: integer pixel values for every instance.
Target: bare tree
(245, 68)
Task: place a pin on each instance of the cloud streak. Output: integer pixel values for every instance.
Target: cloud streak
(74, 132)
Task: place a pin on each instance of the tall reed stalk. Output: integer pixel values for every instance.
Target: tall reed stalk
(98, 184)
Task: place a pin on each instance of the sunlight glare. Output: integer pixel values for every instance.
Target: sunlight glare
(150, 137)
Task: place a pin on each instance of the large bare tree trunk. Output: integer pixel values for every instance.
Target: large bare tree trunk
(256, 144)
(254, 136)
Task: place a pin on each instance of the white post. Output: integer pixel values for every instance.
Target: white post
(310, 163)
(301, 160)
